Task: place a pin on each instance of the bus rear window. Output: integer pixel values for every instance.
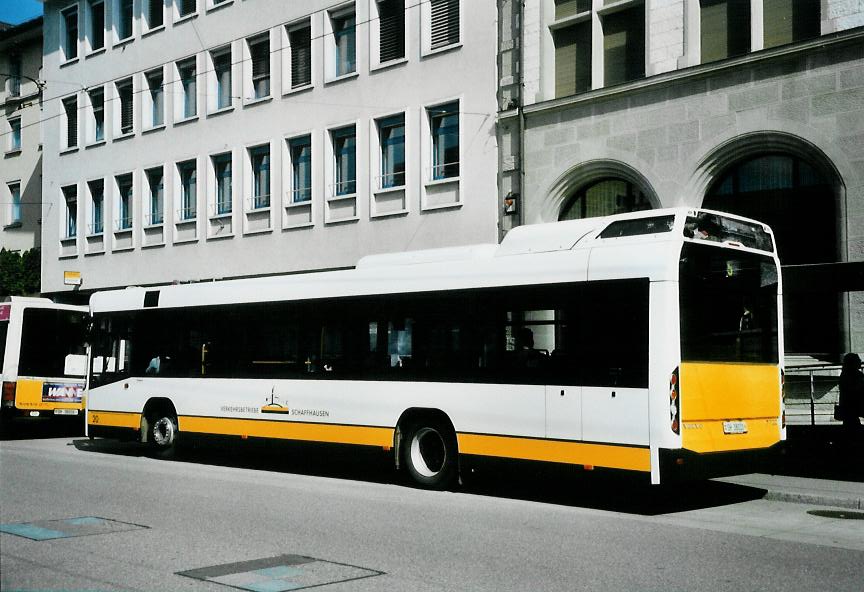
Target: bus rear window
(48, 338)
(728, 305)
(639, 226)
(716, 228)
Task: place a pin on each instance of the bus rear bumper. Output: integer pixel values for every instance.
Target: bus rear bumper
(685, 465)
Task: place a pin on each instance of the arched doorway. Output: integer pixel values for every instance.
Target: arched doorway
(797, 199)
(604, 197)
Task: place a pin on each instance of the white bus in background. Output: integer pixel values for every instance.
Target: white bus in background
(43, 358)
(646, 342)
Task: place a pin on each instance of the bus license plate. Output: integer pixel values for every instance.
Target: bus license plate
(734, 427)
(65, 412)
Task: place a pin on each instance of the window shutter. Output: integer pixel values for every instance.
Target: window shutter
(301, 57)
(125, 93)
(567, 8)
(71, 123)
(259, 51)
(187, 7)
(573, 60)
(445, 23)
(154, 16)
(391, 14)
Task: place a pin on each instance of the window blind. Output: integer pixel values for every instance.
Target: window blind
(445, 23)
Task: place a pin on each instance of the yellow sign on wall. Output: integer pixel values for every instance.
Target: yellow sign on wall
(72, 278)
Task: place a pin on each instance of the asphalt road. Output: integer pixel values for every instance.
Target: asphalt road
(505, 529)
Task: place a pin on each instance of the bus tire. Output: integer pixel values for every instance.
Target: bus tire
(163, 431)
(429, 452)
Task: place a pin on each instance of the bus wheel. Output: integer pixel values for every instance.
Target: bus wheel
(163, 431)
(429, 453)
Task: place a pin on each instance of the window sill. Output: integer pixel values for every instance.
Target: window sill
(387, 65)
(186, 18)
(220, 236)
(122, 249)
(345, 197)
(69, 150)
(185, 241)
(149, 32)
(68, 240)
(13, 152)
(13, 225)
(96, 235)
(95, 52)
(571, 20)
(95, 144)
(186, 222)
(342, 220)
(123, 231)
(386, 190)
(185, 120)
(215, 7)
(153, 245)
(122, 42)
(342, 78)
(221, 111)
(299, 204)
(390, 214)
(69, 62)
(224, 216)
(258, 101)
(299, 89)
(94, 253)
(155, 128)
(298, 226)
(254, 232)
(446, 181)
(125, 136)
(448, 206)
(439, 50)
(261, 210)
(152, 226)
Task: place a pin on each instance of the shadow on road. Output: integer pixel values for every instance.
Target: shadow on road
(535, 482)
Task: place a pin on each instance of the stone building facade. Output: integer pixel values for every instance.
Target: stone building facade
(756, 108)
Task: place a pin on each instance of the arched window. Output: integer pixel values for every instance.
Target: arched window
(604, 198)
(791, 196)
(798, 202)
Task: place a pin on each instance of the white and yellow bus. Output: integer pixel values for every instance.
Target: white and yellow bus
(43, 358)
(647, 342)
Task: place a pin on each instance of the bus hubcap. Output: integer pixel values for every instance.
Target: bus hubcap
(428, 452)
(163, 432)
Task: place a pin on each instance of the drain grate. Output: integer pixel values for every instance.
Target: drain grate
(281, 573)
(46, 530)
(842, 514)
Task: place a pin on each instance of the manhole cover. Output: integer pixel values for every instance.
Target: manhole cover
(46, 530)
(842, 514)
(277, 574)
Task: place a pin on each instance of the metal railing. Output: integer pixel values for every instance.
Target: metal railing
(811, 392)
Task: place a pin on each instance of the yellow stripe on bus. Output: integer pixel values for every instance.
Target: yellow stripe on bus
(114, 419)
(286, 430)
(578, 453)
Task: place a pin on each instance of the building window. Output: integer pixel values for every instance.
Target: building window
(572, 59)
(96, 25)
(15, 209)
(391, 29)
(187, 172)
(15, 71)
(444, 23)
(222, 77)
(300, 45)
(724, 28)
(345, 161)
(154, 14)
(259, 158)
(124, 201)
(222, 178)
(15, 134)
(259, 56)
(156, 97)
(186, 7)
(788, 21)
(391, 136)
(70, 107)
(97, 199)
(344, 42)
(123, 19)
(70, 197)
(604, 197)
(444, 129)
(126, 98)
(97, 107)
(156, 189)
(300, 150)
(567, 8)
(187, 72)
(624, 46)
(69, 31)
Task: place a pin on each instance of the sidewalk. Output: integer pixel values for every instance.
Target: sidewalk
(815, 468)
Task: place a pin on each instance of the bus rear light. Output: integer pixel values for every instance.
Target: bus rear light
(8, 394)
(783, 399)
(674, 403)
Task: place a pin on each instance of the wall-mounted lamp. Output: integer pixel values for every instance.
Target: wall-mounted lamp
(511, 204)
